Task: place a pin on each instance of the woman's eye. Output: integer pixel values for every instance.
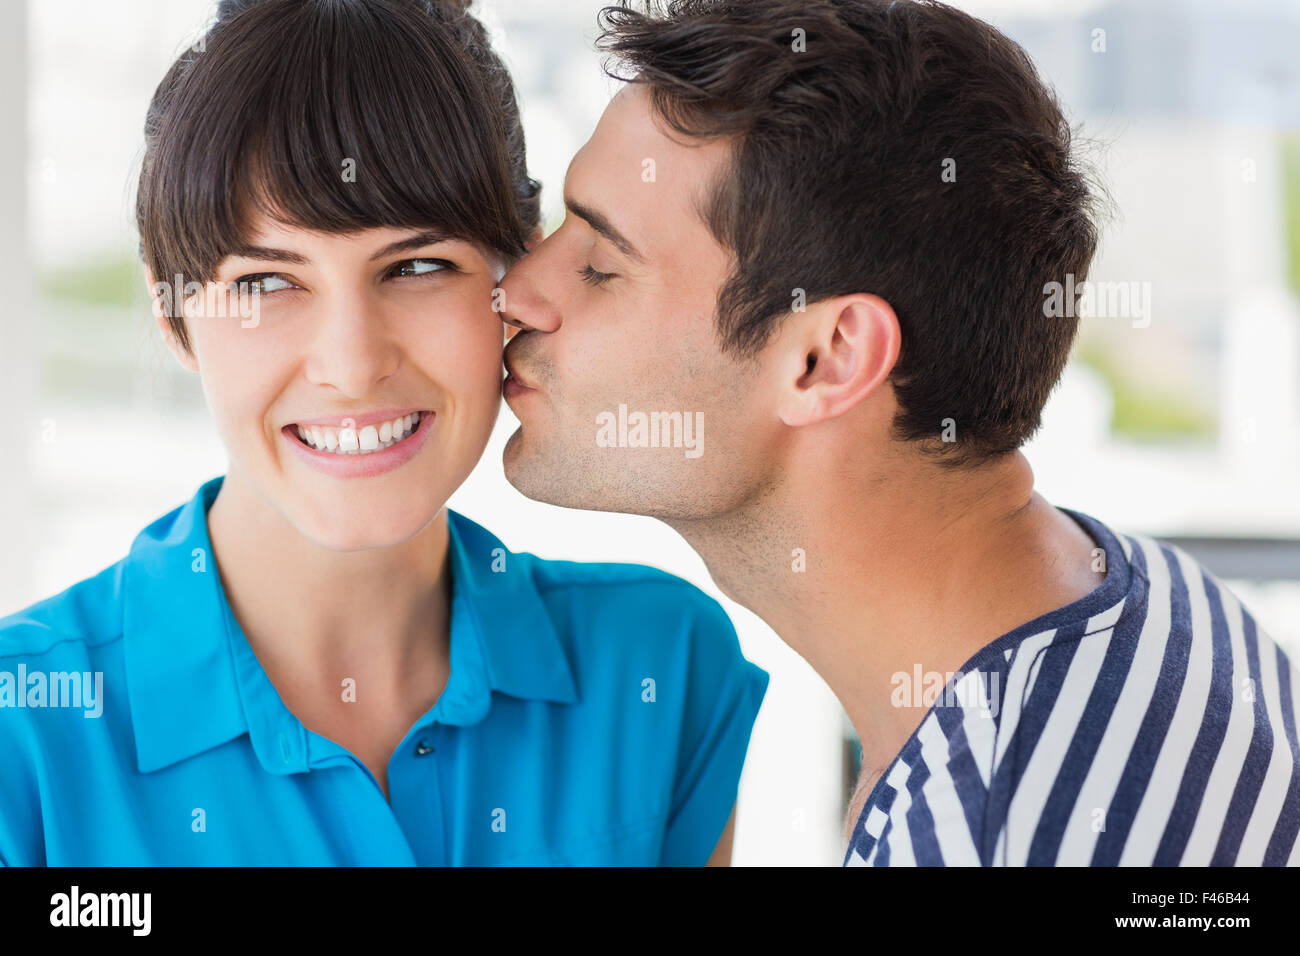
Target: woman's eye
(415, 267)
(262, 283)
(592, 277)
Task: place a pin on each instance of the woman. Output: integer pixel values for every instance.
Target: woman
(313, 661)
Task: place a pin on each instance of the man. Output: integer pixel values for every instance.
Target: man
(827, 232)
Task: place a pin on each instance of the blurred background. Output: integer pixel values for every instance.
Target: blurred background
(1180, 419)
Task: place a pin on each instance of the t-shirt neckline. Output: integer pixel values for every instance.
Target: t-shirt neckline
(1112, 590)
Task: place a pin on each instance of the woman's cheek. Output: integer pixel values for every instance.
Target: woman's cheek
(480, 371)
(474, 355)
(238, 375)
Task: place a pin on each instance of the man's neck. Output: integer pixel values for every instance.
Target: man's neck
(874, 569)
(315, 616)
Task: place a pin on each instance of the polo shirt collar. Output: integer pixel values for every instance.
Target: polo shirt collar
(193, 682)
(518, 647)
(180, 677)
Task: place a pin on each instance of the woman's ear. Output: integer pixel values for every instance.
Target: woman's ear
(161, 297)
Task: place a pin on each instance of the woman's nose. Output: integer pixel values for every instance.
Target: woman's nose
(353, 350)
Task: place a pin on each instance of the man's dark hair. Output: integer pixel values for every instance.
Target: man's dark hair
(263, 113)
(841, 115)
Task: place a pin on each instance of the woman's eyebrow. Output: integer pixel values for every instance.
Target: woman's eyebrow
(270, 255)
(428, 237)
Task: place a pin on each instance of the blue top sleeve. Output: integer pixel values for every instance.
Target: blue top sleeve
(724, 697)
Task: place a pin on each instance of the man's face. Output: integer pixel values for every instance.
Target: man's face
(619, 352)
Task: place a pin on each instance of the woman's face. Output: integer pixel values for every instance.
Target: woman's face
(382, 346)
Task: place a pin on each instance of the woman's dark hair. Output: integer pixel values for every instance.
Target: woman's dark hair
(334, 116)
(843, 116)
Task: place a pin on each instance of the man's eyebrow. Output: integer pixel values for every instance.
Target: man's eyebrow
(603, 226)
(427, 237)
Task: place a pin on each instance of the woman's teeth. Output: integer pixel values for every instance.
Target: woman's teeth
(359, 441)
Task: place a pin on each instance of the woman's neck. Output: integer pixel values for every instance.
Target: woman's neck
(316, 617)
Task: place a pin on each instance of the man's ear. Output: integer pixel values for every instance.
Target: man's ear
(835, 355)
(160, 299)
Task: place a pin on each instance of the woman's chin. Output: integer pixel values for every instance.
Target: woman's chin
(368, 533)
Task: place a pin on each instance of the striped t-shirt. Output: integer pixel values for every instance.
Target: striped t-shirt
(1150, 723)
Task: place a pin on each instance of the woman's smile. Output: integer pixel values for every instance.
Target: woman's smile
(362, 446)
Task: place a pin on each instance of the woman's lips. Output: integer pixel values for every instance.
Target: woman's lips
(358, 463)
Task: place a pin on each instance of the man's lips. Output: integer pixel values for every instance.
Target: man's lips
(513, 377)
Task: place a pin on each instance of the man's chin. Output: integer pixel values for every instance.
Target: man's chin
(549, 476)
(512, 461)
(526, 470)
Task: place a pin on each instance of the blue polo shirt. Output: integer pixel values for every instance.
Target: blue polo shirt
(595, 714)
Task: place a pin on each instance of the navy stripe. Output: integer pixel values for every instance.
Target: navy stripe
(998, 666)
(999, 794)
(1246, 793)
(882, 854)
(966, 776)
(1111, 677)
(1209, 739)
(1287, 830)
(862, 841)
(920, 821)
(910, 755)
(848, 854)
(1159, 714)
(884, 802)
(1055, 663)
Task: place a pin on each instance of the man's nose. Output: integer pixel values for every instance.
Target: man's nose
(524, 302)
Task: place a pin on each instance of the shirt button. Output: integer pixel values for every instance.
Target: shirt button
(423, 748)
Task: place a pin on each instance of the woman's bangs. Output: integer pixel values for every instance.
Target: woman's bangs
(369, 119)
